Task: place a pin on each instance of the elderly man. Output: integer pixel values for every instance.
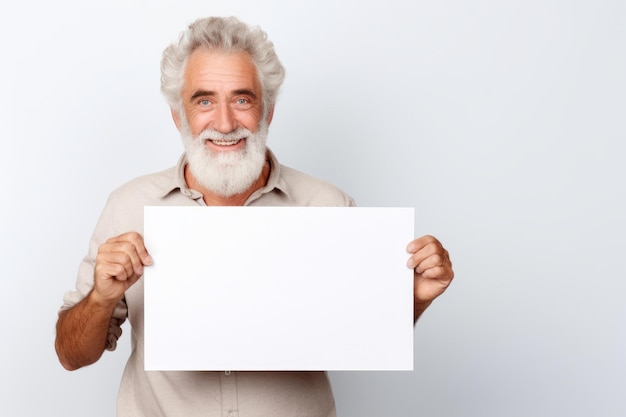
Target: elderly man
(221, 80)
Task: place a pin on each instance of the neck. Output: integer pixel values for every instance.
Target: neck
(212, 199)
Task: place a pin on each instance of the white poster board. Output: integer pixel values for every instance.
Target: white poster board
(278, 288)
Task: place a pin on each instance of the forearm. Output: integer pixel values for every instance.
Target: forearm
(82, 332)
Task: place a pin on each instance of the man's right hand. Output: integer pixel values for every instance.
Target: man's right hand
(119, 264)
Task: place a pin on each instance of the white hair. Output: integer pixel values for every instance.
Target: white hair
(227, 34)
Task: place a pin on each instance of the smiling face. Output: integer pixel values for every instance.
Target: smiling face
(221, 92)
(222, 124)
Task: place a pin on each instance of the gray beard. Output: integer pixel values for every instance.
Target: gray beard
(225, 173)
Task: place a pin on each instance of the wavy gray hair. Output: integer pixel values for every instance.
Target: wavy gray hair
(226, 34)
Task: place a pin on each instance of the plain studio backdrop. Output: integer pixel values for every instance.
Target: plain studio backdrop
(502, 123)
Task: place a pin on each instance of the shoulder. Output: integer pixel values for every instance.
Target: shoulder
(124, 207)
(305, 189)
(147, 187)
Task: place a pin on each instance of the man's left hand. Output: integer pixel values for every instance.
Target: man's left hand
(432, 271)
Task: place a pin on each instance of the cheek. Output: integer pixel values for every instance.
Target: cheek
(251, 120)
(198, 121)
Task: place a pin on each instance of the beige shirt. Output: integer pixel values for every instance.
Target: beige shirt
(207, 394)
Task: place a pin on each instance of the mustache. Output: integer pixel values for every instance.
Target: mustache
(210, 134)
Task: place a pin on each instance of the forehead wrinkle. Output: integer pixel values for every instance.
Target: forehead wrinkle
(213, 74)
(208, 65)
(211, 83)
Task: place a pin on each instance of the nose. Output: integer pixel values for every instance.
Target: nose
(224, 120)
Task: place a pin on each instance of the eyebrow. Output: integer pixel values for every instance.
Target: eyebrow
(201, 93)
(207, 93)
(245, 92)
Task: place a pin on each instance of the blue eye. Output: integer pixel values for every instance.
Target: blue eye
(204, 102)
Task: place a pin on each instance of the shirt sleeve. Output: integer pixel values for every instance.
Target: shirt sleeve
(105, 229)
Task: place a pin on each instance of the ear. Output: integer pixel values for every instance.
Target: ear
(176, 118)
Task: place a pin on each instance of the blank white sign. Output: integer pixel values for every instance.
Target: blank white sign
(278, 288)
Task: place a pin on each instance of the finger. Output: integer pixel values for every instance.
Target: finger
(113, 275)
(137, 241)
(430, 262)
(442, 273)
(124, 253)
(417, 244)
(116, 265)
(137, 250)
(431, 248)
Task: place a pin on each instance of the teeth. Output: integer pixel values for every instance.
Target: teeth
(226, 142)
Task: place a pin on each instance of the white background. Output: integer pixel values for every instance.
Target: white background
(502, 123)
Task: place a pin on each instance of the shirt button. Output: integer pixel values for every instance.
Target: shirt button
(232, 414)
